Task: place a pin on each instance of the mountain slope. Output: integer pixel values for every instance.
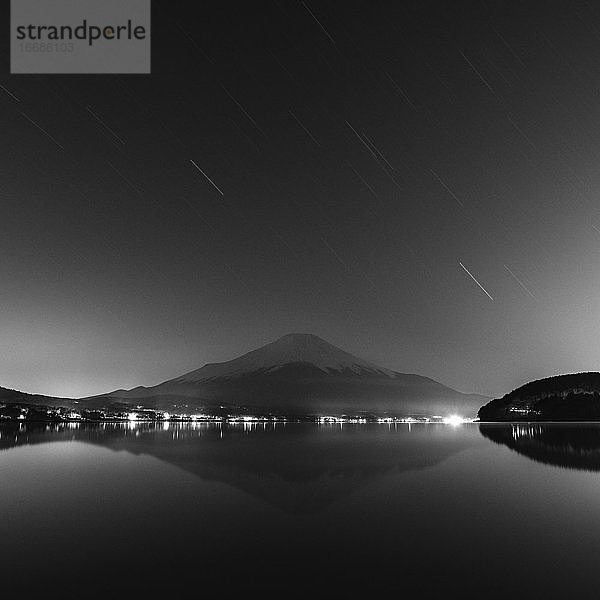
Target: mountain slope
(572, 397)
(293, 348)
(303, 374)
(13, 396)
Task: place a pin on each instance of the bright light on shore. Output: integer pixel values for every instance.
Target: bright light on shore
(455, 420)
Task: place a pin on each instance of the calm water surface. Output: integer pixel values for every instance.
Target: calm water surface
(128, 509)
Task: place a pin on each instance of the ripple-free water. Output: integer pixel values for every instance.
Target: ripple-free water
(274, 509)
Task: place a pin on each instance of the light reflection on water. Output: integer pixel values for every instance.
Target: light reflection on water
(568, 445)
(353, 504)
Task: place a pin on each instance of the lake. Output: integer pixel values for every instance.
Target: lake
(278, 509)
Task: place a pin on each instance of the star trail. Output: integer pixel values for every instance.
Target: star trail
(416, 183)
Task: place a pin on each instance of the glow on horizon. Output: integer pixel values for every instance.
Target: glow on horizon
(455, 420)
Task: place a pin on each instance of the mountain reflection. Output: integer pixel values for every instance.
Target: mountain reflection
(568, 445)
(301, 468)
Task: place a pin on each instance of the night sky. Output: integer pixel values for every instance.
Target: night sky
(415, 182)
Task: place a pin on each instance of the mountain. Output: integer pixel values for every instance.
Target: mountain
(13, 396)
(573, 397)
(9, 398)
(290, 349)
(302, 374)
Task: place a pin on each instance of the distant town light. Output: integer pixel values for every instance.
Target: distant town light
(132, 417)
(455, 420)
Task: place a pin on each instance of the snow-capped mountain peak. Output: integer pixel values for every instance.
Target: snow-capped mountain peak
(293, 348)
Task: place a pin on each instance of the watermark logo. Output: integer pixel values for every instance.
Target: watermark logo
(80, 36)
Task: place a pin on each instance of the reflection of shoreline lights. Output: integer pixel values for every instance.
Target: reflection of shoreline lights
(527, 431)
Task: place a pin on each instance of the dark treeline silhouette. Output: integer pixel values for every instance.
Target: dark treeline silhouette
(574, 397)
